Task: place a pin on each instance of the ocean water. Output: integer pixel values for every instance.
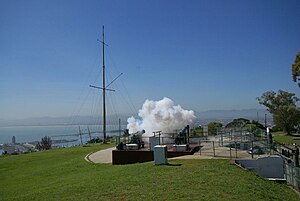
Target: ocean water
(65, 135)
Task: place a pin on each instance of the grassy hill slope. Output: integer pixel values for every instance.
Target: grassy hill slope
(63, 174)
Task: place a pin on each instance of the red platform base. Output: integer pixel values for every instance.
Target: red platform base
(140, 156)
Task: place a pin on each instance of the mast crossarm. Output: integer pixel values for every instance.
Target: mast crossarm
(102, 42)
(102, 88)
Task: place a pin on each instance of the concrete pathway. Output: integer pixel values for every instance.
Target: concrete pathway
(105, 156)
(102, 156)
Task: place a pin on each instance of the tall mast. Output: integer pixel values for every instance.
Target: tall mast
(103, 87)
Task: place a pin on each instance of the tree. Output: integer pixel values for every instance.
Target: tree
(45, 143)
(213, 126)
(198, 131)
(282, 106)
(250, 127)
(95, 140)
(238, 123)
(254, 127)
(296, 69)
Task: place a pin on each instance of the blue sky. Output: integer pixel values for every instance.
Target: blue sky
(202, 54)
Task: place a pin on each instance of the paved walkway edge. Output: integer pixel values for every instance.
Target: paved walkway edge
(101, 156)
(87, 157)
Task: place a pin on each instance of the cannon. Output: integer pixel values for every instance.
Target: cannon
(182, 136)
(136, 138)
(135, 142)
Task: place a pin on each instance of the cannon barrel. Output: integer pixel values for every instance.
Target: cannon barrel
(139, 133)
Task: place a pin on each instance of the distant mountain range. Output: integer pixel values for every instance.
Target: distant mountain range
(223, 116)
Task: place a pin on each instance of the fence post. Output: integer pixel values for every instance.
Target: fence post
(222, 139)
(214, 148)
(292, 176)
(235, 150)
(200, 147)
(230, 151)
(241, 136)
(296, 156)
(252, 148)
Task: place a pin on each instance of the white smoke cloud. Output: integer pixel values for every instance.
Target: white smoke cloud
(160, 115)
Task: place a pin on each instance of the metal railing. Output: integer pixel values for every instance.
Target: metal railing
(292, 175)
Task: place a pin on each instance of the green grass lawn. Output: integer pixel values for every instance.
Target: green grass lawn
(63, 174)
(282, 138)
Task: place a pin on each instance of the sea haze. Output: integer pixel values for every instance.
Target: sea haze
(31, 134)
(224, 116)
(68, 120)
(33, 129)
